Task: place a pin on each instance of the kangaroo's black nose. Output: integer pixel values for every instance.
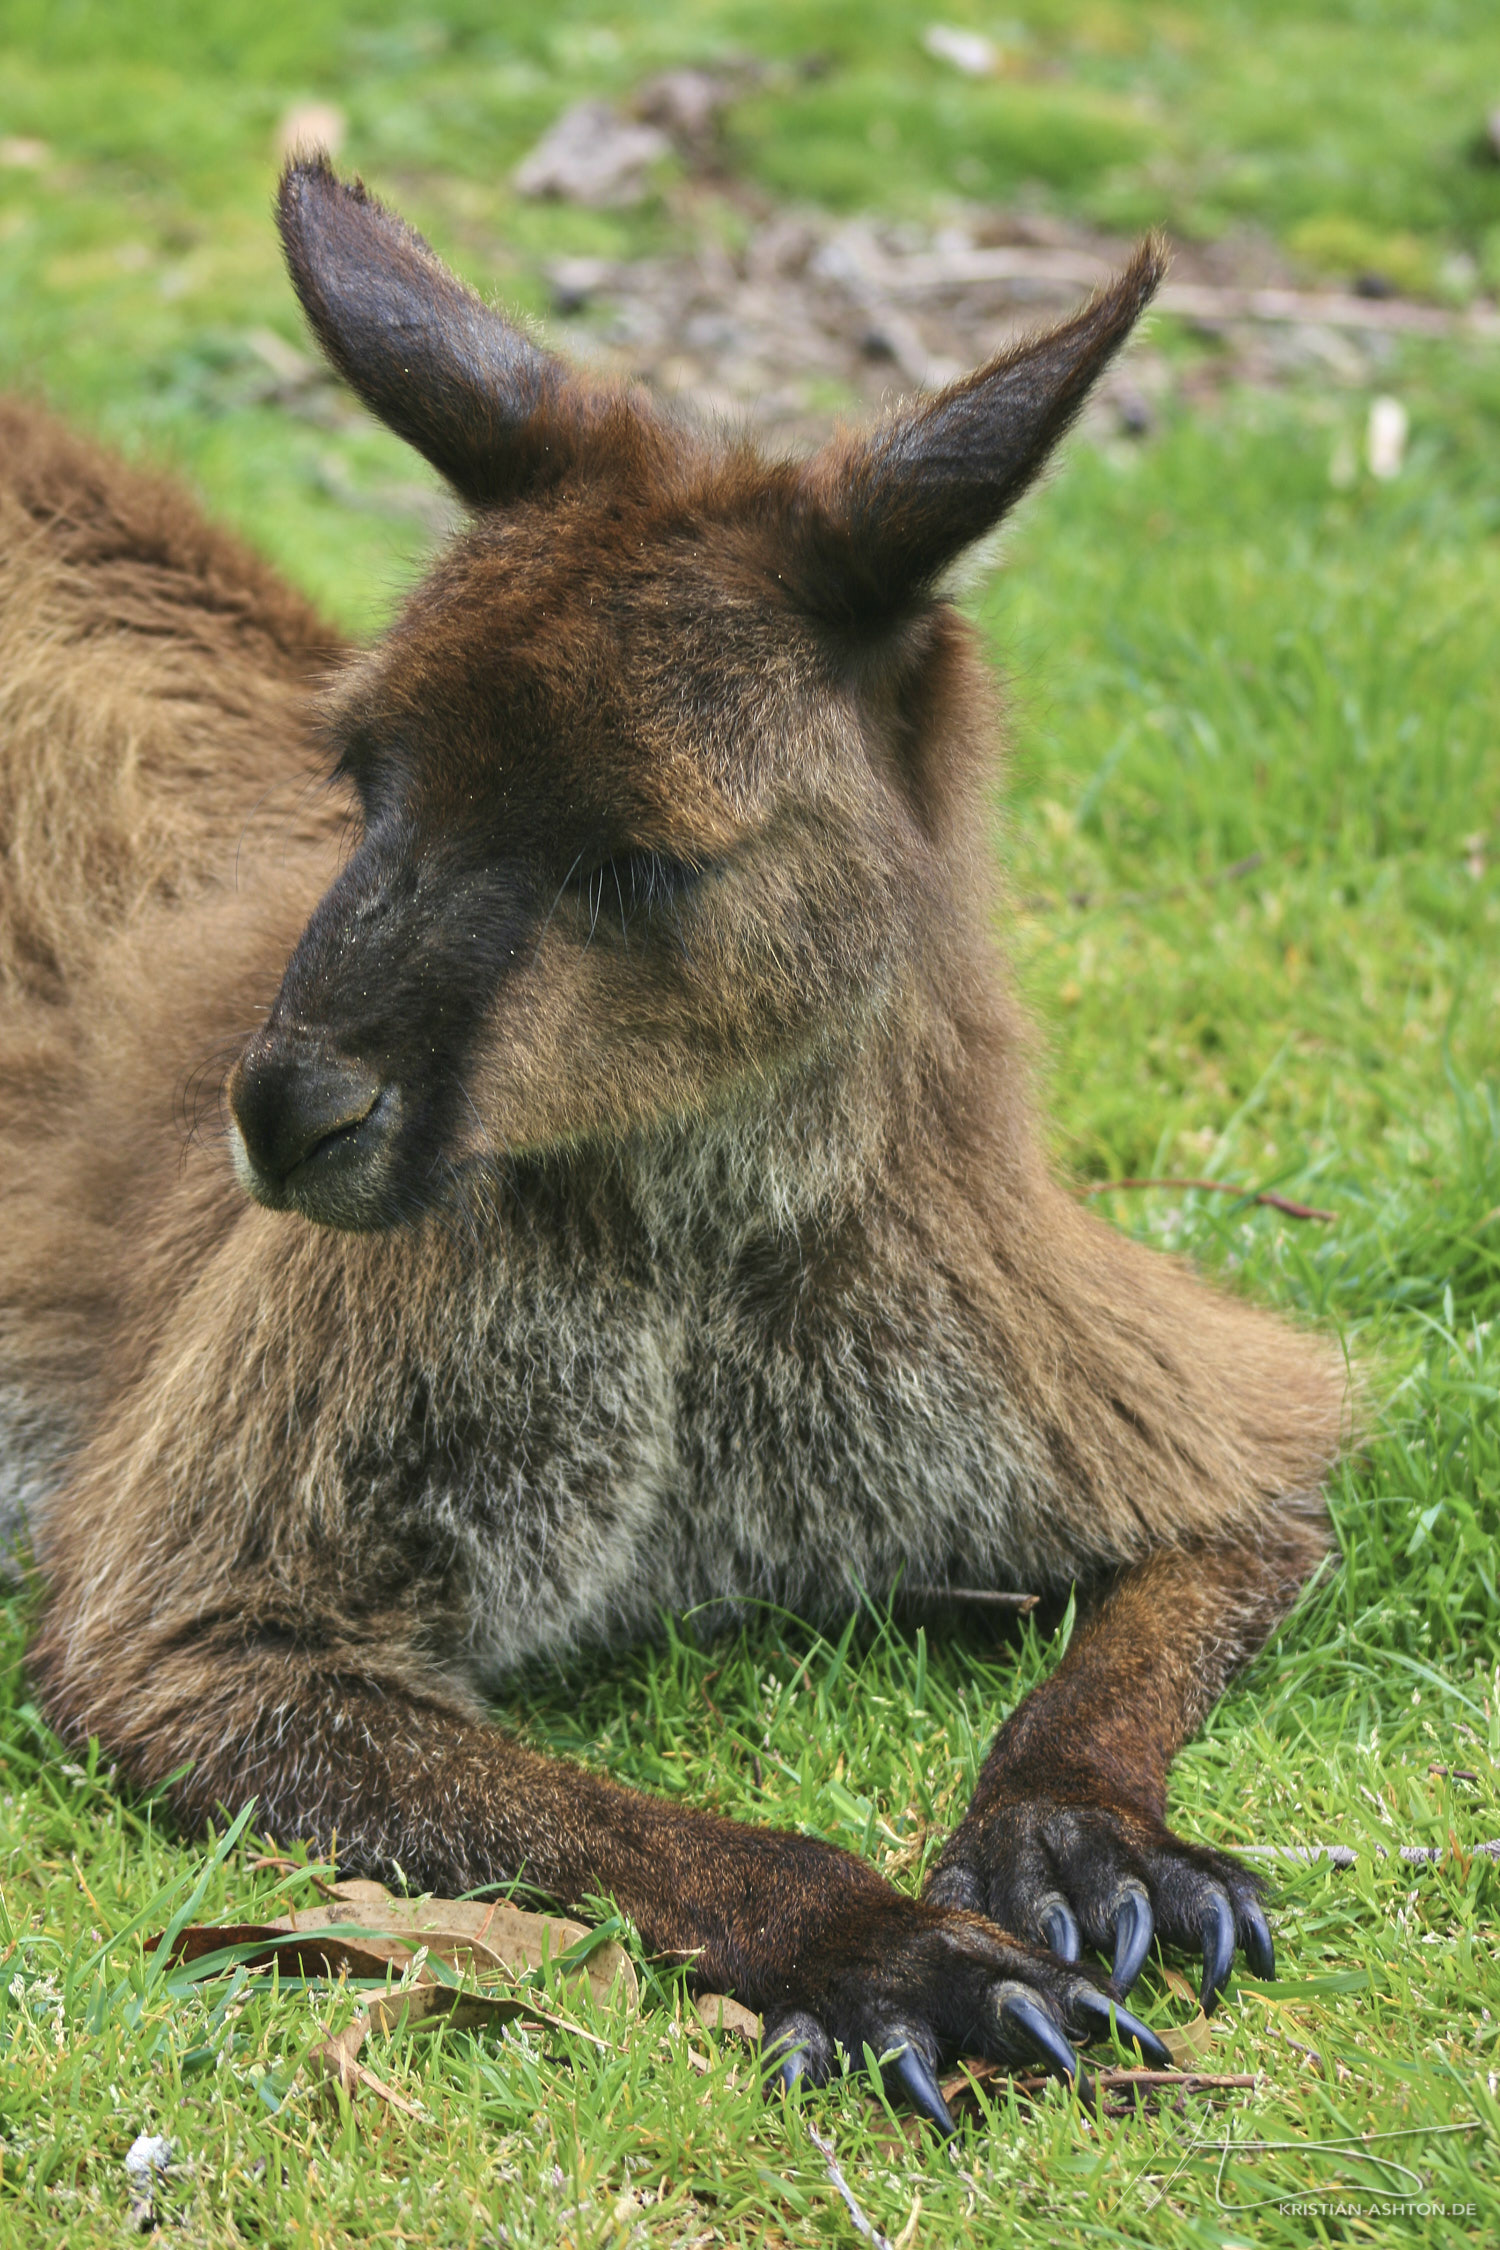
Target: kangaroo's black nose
(297, 1105)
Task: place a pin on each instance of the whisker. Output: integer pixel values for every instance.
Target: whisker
(552, 909)
(620, 895)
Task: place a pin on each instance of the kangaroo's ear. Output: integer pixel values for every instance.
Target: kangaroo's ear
(883, 513)
(427, 355)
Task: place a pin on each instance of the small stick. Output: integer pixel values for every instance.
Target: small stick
(1341, 2071)
(287, 1866)
(1344, 1855)
(930, 272)
(1110, 2080)
(1186, 2081)
(1219, 1187)
(863, 2226)
(1021, 1602)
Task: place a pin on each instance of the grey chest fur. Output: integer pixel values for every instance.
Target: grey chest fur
(693, 1432)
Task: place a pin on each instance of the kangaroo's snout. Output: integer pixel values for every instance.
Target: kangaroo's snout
(312, 1130)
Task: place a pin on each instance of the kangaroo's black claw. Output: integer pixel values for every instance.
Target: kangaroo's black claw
(922, 2089)
(1061, 1931)
(795, 2048)
(1135, 1926)
(1031, 2018)
(1218, 1948)
(1092, 2003)
(1258, 1947)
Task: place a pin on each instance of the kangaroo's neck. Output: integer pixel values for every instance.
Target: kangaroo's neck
(918, 1100)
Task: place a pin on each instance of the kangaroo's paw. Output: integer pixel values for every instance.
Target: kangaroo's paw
(1067, 1872)
(917, 1984)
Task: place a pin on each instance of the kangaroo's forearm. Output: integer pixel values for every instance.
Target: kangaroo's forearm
(1065, 1838)
(1147, 1664)
(398, 1781)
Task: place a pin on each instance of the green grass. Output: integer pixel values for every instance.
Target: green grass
(1213, 656)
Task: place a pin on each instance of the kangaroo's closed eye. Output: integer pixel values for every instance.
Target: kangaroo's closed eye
(632, 882)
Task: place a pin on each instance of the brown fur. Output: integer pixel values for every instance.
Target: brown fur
(697, 1244)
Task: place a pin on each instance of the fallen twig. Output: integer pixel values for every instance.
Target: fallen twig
(930, 272)
(1324, 308)
(1219, 1187)
(982, 1594)
(286, 1866)
(1109, 2081)
(862, 2225)
(1111, 2091)
(1345, 1855)
(1181, 2081)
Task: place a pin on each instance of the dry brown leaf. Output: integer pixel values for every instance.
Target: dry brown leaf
(717, 2012)
(360, 1953)
(476, 1934)
(338, 2058)
(364, 1931)
(1189, 2041)
(421, 2004)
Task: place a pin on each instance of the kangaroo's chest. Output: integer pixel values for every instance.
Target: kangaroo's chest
(688, 1443)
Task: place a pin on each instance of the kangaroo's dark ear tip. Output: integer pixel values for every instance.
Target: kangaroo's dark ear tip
(1147, 270)
(1118, 302)
(309, 183)
(305, 170)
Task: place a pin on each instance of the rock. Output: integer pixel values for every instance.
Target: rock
(592, 155)
(966, 51)
(684, 103)
(1385, 438)
(575, 282)
(148, 2155)
(1133, 410)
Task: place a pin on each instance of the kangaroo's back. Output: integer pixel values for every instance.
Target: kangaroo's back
(154, 684)
(163, 834)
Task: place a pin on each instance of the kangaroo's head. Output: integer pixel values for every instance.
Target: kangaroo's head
(665, 769)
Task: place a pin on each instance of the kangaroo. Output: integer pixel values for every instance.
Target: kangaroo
(629, 1196)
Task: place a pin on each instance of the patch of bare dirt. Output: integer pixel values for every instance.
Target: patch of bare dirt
(813, 316)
